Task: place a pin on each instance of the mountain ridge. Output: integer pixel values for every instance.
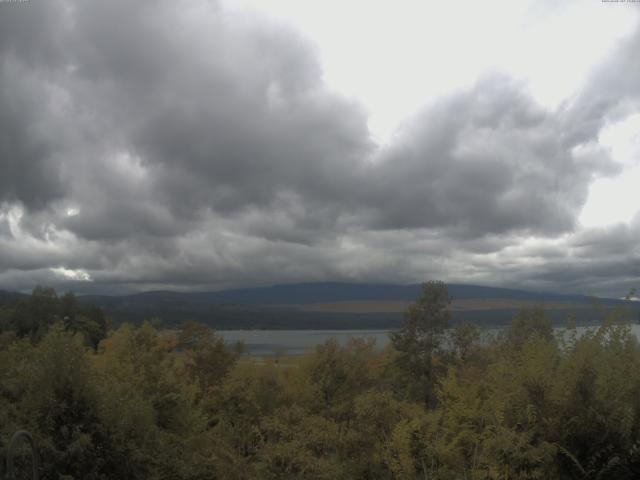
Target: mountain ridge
(317, 292)
(339, 305)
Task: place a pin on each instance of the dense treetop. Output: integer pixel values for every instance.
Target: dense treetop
(438, 403)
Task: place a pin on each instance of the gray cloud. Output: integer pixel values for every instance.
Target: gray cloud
(487, 160)
(601, 260)
(173, 144)
(28, 171)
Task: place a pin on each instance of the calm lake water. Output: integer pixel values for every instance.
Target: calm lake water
(260, 343)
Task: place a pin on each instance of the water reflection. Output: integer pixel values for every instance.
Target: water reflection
(261, 343)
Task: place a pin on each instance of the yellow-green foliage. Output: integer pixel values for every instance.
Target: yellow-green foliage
(145, 405)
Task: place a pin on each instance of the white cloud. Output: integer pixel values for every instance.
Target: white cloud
(71, 274)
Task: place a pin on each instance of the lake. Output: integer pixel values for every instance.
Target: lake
(261, 343)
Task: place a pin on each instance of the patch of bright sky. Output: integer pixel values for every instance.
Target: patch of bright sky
(72, 211)
(557, 49)
(617, 199)
(70, 274)
(395, 56)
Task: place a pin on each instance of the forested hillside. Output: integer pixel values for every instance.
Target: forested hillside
(338, 306)
(136, 403)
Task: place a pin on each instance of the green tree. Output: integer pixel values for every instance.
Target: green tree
(149, 407)
(88, 320)
(420, 338)
(528, 323)
(334, 375)
(465, 339)
(32, 316)
(208, 358)
(53, 393)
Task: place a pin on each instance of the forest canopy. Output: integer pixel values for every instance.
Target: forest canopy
(440, 403)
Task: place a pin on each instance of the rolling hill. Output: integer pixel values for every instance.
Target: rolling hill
(339, 305)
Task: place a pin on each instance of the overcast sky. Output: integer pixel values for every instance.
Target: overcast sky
(200, 145)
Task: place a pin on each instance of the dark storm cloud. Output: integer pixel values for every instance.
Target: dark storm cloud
(176, 144)
(223, 116)
(30, 45)
(487, 160)
(185, 124)
(28, 171)
(602, 261)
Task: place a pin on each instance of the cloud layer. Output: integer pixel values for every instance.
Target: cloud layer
(178, 145)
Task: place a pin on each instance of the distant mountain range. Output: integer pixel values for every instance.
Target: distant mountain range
(335, 292)
(339, 306)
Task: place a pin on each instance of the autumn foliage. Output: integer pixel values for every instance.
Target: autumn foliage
(439, 403)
